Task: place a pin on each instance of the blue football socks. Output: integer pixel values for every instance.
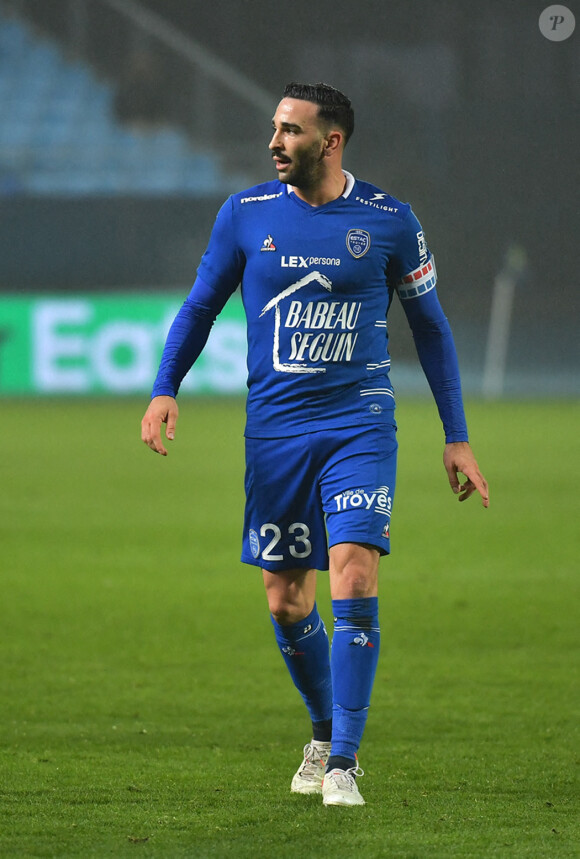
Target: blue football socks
(304, 646)
(335, 689)
(354, 657)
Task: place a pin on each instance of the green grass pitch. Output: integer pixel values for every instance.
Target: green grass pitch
(145, 711)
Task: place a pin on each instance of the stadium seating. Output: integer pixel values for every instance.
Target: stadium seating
(59, 136)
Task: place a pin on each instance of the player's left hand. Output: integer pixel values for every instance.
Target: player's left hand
(162, 410)
(458, 457)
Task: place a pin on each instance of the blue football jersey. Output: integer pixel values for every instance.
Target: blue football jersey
(317, 284)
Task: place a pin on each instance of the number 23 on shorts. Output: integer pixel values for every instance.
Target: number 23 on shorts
(299, 546)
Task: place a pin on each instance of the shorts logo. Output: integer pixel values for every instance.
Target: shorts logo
(254, 543)
(358, 242)
(386, 531)
(354, 499)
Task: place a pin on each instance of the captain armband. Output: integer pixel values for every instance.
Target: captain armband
(418, 282)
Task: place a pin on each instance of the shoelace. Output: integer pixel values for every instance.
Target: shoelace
(312, 760)
(345, 779)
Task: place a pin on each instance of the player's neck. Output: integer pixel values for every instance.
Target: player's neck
(331, 187)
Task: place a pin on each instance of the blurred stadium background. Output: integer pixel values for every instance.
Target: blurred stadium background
(124, 125)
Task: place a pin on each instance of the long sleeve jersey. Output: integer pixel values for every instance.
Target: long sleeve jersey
(317, 284)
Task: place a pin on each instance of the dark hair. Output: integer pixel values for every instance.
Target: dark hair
(333, 106)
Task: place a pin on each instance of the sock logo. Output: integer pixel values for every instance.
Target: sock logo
(361, 640)
(291, 651)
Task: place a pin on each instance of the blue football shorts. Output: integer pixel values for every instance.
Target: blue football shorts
(308, 493)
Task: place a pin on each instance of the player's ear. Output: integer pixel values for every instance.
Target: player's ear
(332, 142)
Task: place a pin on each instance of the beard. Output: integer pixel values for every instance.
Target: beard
(305, 169)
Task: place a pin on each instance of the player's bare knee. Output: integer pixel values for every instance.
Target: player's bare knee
(354, 571)
(291, 594)
(286, 609)
(286, 615)
(354, 583)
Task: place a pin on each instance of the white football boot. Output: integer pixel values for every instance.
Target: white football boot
(339, 787)
(308, 778)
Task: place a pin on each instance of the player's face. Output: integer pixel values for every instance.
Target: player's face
(298, 143)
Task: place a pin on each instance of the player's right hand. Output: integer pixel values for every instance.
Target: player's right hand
(162, 410)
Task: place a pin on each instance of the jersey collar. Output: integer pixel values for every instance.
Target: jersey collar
(350, 180)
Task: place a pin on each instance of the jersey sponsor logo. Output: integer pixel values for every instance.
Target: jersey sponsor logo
(306, 262)
(376, 203)
(327, 315)
(312, 332)
(261, 198)
(422, 247)
(268, 244)
(358, 242)
(359, 499)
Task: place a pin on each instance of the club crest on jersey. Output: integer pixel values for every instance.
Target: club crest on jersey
(358, 242)
(268, 244)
